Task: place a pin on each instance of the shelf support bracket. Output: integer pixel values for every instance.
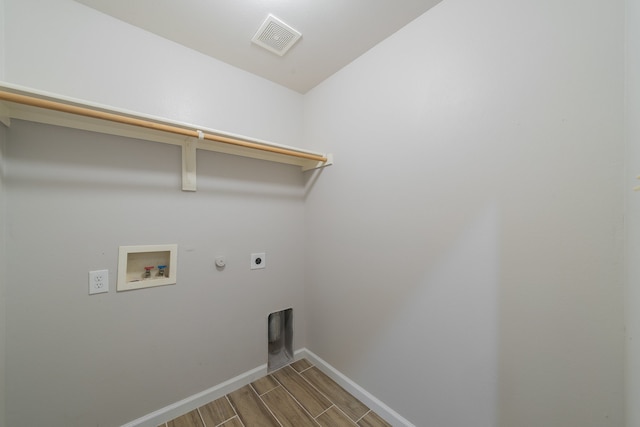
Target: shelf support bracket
(5, 115)
(189, 162)
(319, 165)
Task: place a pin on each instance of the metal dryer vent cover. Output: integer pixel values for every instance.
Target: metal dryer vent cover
(276, 36)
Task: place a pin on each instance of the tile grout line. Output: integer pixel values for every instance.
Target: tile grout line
(280, 384)
(333, 405)
(201, 417)
(330, 400)
(234, 411)
(305, 380)
(265, 405)
(277, 385)
(305, 369)
(318, 390)
(226, 421)
(321, 394)
(299, 404)
(320, 414)
(355, 423)
(360, 419)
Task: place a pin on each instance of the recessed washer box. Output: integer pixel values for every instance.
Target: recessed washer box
(146, 266)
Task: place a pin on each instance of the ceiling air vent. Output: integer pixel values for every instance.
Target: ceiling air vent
(276, 36)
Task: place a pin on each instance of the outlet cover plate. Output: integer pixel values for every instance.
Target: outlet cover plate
(258, 260)
(98, 282)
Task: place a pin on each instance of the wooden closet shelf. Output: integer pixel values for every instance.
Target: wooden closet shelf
(27, 104)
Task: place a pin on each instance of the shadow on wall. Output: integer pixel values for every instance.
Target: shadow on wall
(480, 314)
(112, 163)
(450, 314)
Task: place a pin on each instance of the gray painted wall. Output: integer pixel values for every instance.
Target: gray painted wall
(2, 238)
(471, 233)
(74, 197)
(72, 50)
(3, 270)
(632, 162)
(464, 252)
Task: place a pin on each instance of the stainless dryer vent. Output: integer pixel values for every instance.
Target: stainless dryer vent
(280, 337)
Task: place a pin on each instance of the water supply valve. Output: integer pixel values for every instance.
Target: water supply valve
(147, 272)
(161, 270)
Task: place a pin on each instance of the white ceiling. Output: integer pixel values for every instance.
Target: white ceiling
(334, 32)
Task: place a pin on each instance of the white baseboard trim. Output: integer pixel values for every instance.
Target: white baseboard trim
(375, 404)
(192, 402)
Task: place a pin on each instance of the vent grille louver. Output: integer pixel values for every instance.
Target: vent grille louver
(276, 36)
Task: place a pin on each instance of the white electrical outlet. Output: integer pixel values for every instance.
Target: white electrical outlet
(98, 281)
(258, 260)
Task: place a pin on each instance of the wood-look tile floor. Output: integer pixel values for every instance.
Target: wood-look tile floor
(297, 395)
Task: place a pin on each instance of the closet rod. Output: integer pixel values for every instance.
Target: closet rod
(117, 118)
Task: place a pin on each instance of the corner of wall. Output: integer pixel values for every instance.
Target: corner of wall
(2, 277)
(2, 232)
(2, 235)
(632, 208)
